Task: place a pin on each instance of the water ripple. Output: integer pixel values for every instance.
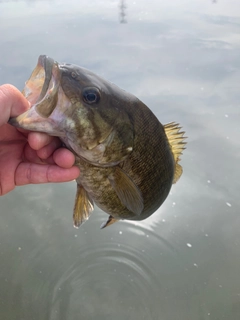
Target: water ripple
(104, 279)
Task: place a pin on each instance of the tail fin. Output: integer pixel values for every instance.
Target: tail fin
(176, 141)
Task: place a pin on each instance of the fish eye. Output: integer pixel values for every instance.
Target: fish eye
(91, 95)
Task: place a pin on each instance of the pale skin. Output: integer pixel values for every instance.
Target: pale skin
(28, 157)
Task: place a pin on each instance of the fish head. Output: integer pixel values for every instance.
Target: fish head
(85, 111)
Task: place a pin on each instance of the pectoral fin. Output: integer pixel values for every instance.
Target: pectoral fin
(110, 221)
(83, 206)
(127, 191)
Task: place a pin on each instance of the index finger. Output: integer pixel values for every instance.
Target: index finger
(38, 140)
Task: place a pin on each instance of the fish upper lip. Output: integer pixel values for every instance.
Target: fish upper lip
(41, 90)
(37, 86)
(47, 64)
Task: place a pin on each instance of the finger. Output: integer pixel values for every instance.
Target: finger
(29, 173)
(31, 155)
(39, 140)
(12, 103)
(49, 149)
(64, 158)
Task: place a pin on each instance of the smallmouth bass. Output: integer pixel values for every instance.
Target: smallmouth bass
(128, 160)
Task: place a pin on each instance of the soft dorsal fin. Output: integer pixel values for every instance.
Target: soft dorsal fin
(110, 221)
(127, 191)
(177, 144)
(83, 206)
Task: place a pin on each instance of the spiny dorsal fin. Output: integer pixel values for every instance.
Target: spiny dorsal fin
(83, 206)
(177, 143)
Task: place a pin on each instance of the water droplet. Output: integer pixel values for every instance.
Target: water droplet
(209, 181)
(189, 245)
(228, 204)
(19, 248)
(120, 232)
(226, 115)
(195, 265)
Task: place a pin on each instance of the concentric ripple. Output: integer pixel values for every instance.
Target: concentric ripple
(104, 281)
(114, 277)
(126, 271)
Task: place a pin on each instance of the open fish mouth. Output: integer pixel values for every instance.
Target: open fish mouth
(42, 87)
(41, 90)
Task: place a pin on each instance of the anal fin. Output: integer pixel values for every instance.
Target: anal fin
(110, 221)
(83, 206)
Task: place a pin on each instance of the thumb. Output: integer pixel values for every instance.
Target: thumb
(12, 103)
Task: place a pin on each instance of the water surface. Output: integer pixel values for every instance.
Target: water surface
(182, 59)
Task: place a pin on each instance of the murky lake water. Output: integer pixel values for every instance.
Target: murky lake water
(182, 59)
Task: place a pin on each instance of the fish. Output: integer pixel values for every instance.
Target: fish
(128, 160)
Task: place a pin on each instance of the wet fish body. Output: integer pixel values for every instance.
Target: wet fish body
(127, 158)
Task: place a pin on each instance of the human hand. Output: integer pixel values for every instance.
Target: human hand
(29, 157)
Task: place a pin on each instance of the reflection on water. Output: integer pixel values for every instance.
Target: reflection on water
(182, 59)
(123, 8)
